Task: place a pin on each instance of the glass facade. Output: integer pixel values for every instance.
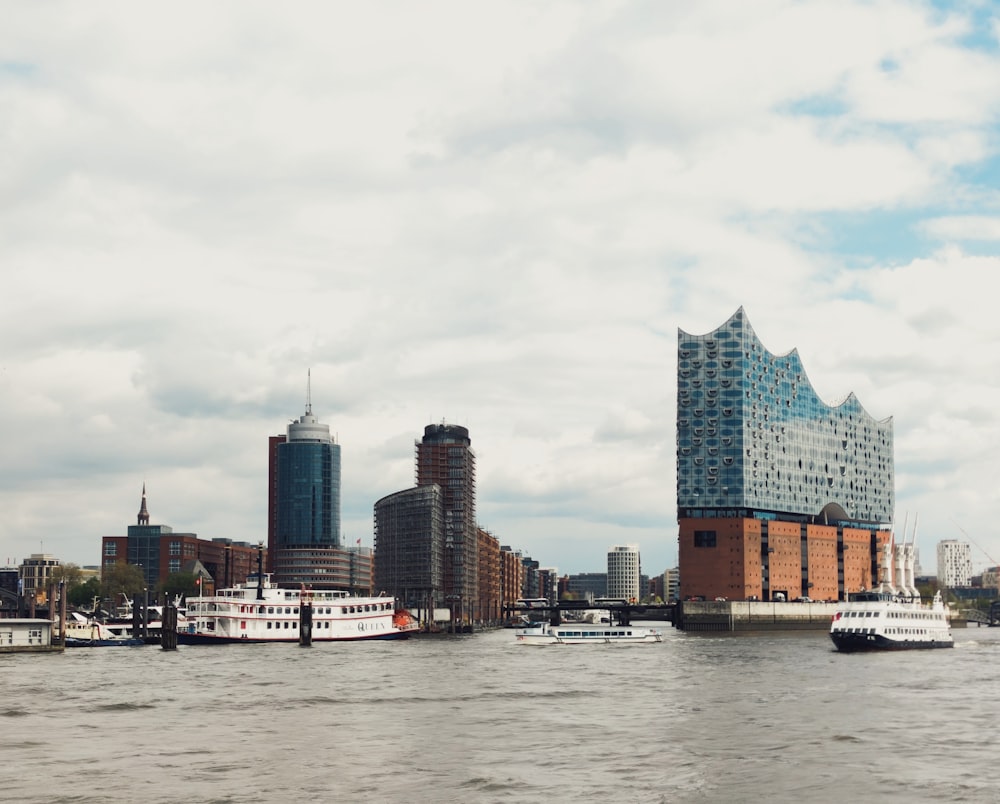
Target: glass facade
(754, 439)
(308, 510)
(144, 550)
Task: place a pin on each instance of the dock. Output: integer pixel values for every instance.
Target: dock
(753, 615)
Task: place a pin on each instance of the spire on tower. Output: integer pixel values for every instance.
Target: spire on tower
(143, 513)
(309, 404)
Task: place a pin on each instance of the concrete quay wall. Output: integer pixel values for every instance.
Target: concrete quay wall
(746, 615)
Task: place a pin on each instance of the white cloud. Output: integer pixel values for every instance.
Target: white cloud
(498, 215)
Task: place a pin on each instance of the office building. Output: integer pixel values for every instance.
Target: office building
(587, 585)
(303, 535)
(409, 546)
(623, 572)
(160, 552)
(779, 494)
(35, 574)
(954, 564)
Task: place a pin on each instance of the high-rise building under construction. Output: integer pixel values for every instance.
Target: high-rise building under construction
(426, 538)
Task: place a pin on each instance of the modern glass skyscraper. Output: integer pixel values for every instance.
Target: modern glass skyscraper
(304, 537)
(308, 504)
(763, 465)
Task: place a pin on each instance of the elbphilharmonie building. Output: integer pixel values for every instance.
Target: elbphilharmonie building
(762, 458)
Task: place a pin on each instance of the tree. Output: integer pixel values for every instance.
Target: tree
(180, 583)
(122, 579)
(70, 574)
(83, 594)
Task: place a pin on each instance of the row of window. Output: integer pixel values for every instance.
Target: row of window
(357, 609)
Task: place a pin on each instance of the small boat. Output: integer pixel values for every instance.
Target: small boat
(260, 611)
(892, 617)
(586, 634)
(84, 632)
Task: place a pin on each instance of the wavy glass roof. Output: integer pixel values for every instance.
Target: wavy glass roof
(754, 438)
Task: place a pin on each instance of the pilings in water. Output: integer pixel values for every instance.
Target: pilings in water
(305, 624)
(168, 628)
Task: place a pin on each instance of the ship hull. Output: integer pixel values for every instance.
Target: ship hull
(862, 643)
(186, 638)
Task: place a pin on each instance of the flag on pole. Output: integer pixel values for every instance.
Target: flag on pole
(359, 542)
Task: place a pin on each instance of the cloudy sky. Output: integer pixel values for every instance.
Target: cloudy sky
(496, 214)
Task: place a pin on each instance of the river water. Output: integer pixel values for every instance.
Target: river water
(479, 718)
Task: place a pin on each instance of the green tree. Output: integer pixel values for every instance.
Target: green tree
(70, 574)
(179, 583)
(83, 594)
(122, 579)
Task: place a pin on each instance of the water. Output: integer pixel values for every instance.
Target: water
(699, 718)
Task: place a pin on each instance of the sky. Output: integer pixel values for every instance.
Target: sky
(494, 214)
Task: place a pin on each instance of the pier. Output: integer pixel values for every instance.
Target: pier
(753, 615)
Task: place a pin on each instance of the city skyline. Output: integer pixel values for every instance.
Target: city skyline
(501, 231)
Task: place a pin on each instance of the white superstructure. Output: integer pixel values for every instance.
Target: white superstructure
(582, 633)
(259, 611)
(892, 617)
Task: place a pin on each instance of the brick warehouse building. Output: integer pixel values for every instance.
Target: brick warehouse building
(778, 493)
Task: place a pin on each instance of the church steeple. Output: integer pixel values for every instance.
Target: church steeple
(143, 513)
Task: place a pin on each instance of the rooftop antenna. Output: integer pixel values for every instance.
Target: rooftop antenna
(309, 404)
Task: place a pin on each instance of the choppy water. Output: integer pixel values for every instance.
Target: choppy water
(699, 718)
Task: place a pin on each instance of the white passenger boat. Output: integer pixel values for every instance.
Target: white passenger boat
(884, 621)
(259, 611)
(586, 634)
(892, 617)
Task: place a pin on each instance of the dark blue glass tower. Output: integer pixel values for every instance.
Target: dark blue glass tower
(308, 486)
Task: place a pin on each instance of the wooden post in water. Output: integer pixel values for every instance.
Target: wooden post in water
(62, 612)
(136, 620)
(305, 624)
(168, 628)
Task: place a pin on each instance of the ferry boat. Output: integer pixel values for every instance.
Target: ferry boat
(260, 611)
(892, 617)
(582, 633)
(883, 621)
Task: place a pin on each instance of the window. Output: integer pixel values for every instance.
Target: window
(110, 549)
(705, 538)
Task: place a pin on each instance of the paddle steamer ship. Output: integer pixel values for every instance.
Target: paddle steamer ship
(260, 611)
